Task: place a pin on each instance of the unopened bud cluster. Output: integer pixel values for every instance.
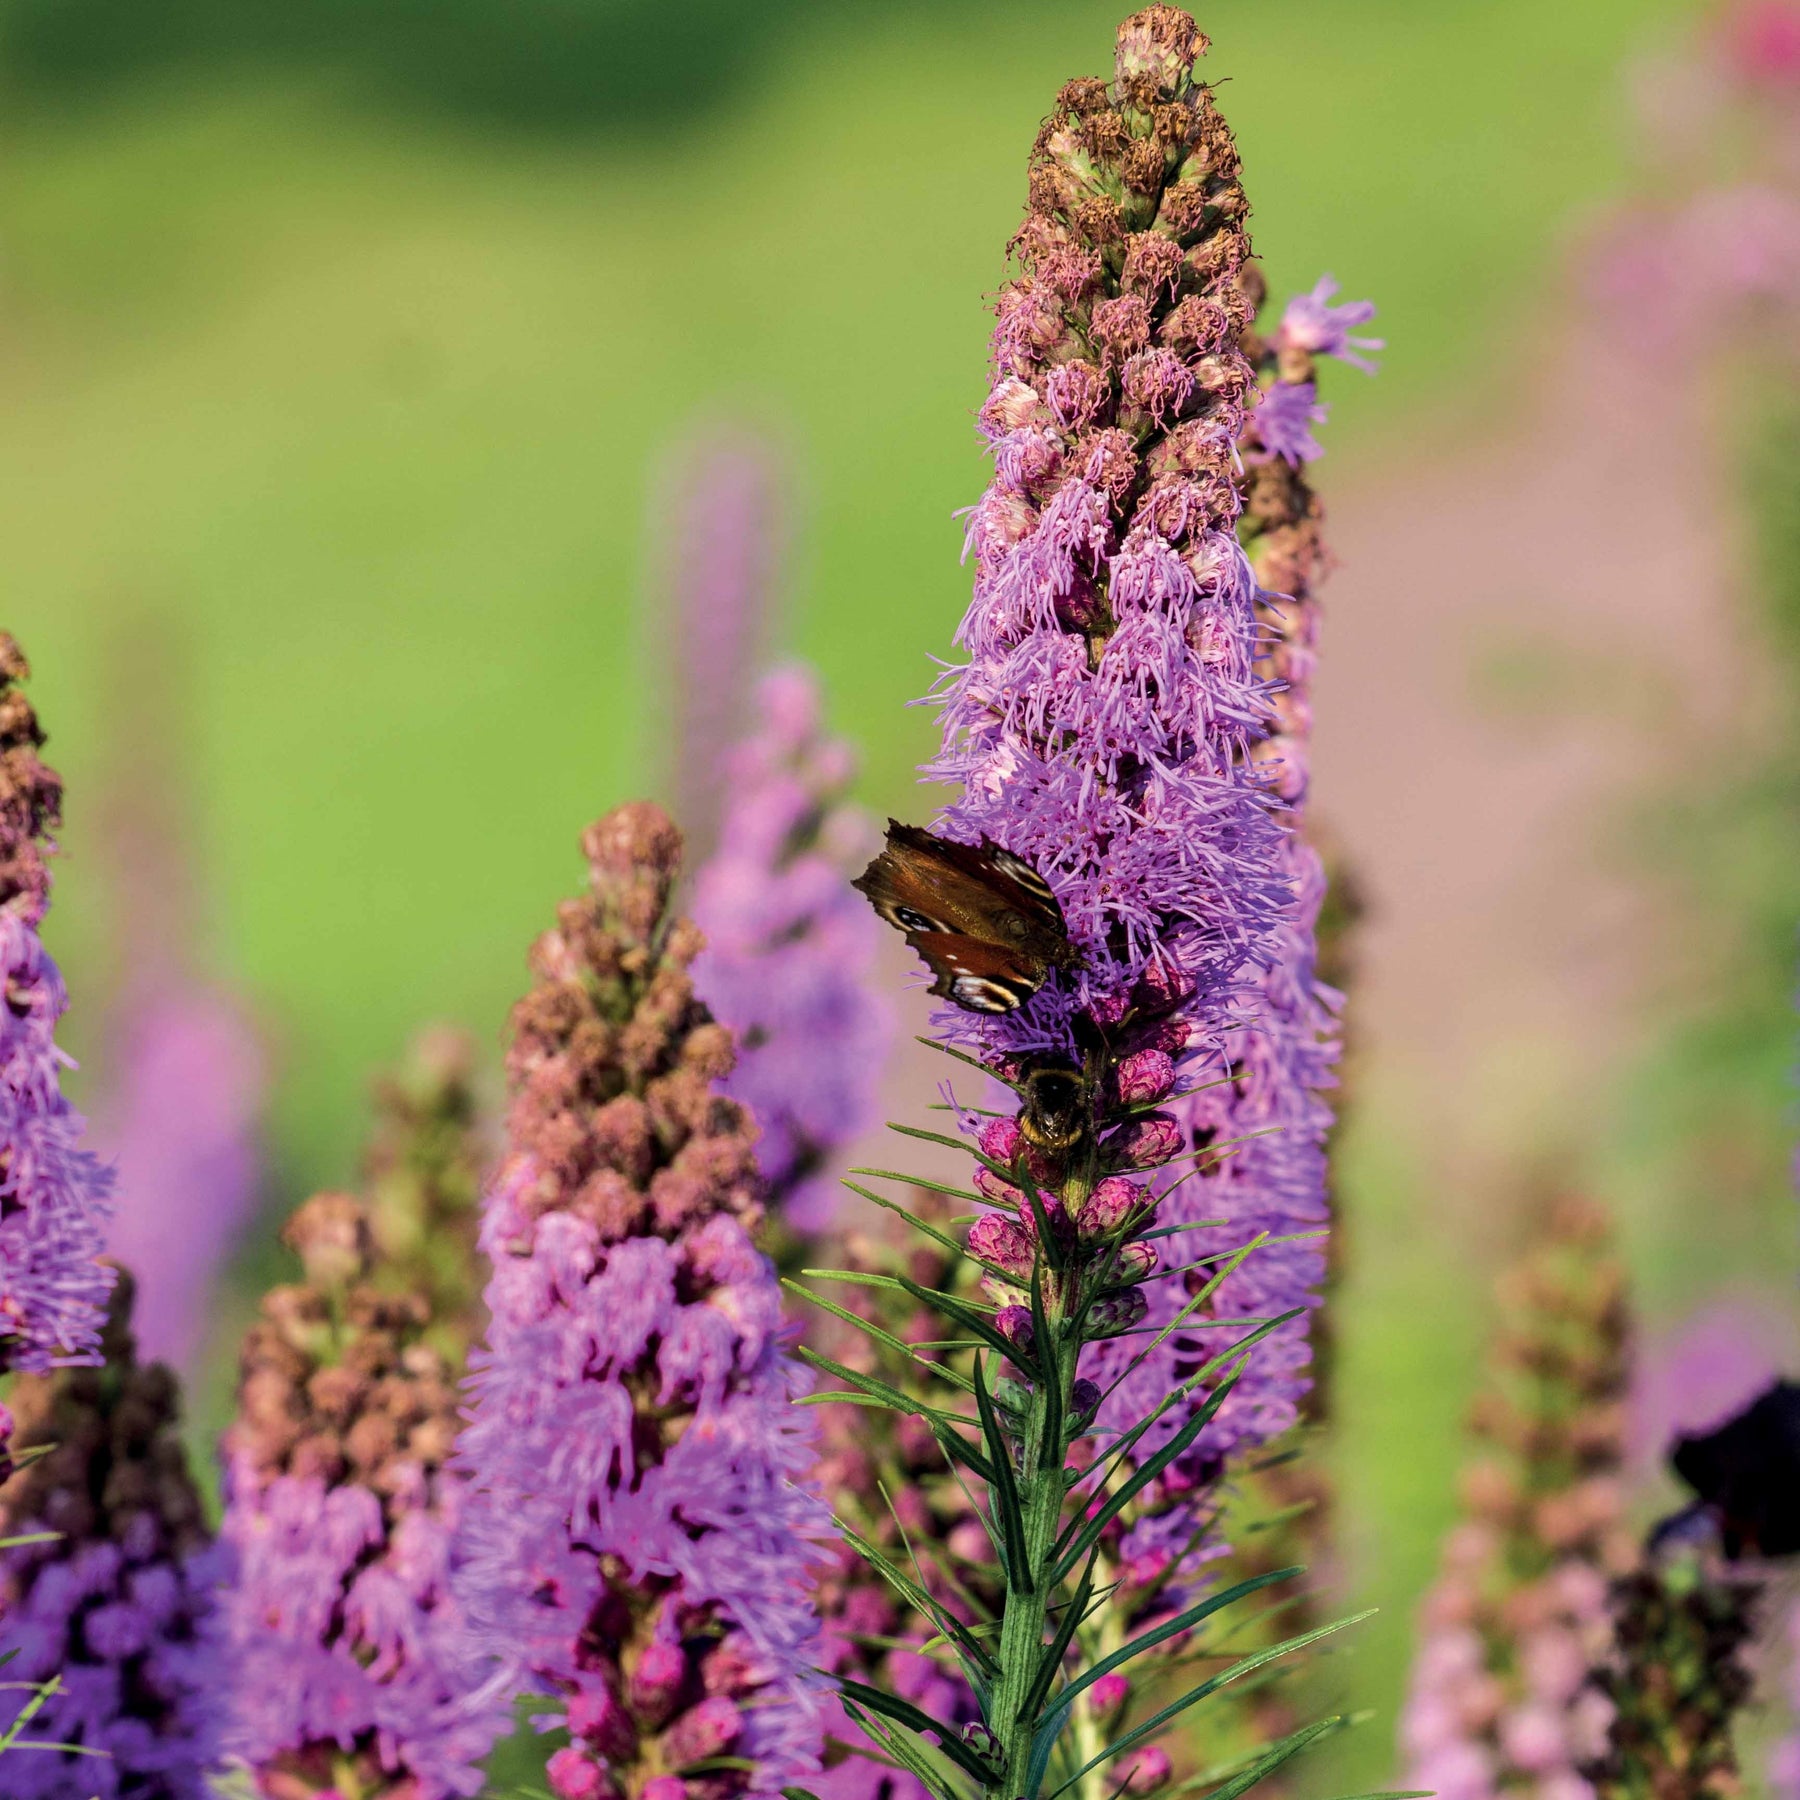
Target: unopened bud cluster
(1501, 1698)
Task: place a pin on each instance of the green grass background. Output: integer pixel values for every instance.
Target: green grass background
(349, 369)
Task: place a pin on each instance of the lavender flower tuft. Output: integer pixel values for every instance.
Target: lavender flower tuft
(789, 950)
(637, 1542)
(55, 1198)
(117, 1604)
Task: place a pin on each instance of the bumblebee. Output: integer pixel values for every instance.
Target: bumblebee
(1055, 1110)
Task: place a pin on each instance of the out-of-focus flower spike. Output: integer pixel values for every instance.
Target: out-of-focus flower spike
(57, 1197)
(117, 1605)
(350, 1668)
(638, 1542)
(1501, 1697)
(790, 948)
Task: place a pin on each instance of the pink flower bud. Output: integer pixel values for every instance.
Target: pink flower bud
(574, 1775)
(597, 1719)
(1118, 1312)
(1084, 1399)
(708, 1729)
(657, 1681)
(991, 1187)
(1145, 1769)
(981, 1740)
(663, 1787)
(1144, 1076)
(1111, 1203)
(1015, 1325)
(1108, 1694)
(996, 1239)
(1144, 1143)
(1135, 1261)
(999, 1140)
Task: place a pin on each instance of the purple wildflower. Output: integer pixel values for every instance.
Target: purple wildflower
(789, 949)
(1501, 1698)
(722, 515)
(117, 1605)
(183, 1132)
(637, 1542)
(349, 1657)
(1310, 323)
(1280, 1052)
(1284, 418)
(55, 1197)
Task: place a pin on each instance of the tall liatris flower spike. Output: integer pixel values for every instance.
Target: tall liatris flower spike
(113, 1602)
(347, 1659)
(1501, 1700)
(55, 1198)
(1104, 733)
(789, 951)
(1280, 1060)
(639, 1546)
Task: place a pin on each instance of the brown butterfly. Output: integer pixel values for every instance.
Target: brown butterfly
(985, 922)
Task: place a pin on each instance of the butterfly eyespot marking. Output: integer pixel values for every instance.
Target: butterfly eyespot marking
(979, 994)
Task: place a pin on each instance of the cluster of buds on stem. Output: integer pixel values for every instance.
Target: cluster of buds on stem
(1501, 1699)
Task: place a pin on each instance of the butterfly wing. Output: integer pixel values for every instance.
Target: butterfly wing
(975, 974)
(984, 920)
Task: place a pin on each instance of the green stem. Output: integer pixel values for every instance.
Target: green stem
(1027, 1608)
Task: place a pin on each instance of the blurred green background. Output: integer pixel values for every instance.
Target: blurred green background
(340, 340)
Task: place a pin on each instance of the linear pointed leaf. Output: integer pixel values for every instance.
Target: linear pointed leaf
(916, 1596)
(907, 1352)
(1004, 1495)
(919, 1181)
(913, 1219)
(970, 1320)
(1074, 1615)
(915, 1719)
(903, 1751)
(1194, 1696)
(1272, 1759)
(1141, 1477)
(974, 1062)
(1047, 1360)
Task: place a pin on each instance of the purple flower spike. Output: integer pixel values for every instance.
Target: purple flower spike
(183, 1130)
(348, 1654)
(118, 1604)
(637, 1542)
(1312, 324)
(55, 1197)
(789, 949)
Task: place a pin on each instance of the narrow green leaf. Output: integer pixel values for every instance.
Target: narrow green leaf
(1144, 1641)
(1073, 1615)
(1004, 1495)
(883, 1337)
(1140, 1478)
(1194, 1696)
(1049, 1362)
(970, 1320)
(916, 1596)
(913, 1219)
(919, 1181)
(1272, 1759)
(915, 1719)
(974, 1062)
(949, 1143)
(903, 1751)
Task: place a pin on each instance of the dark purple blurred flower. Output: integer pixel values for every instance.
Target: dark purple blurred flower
(117, 1606)
(637, 1543)
(183, 1132)
(789, 948)
(55, 1197)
